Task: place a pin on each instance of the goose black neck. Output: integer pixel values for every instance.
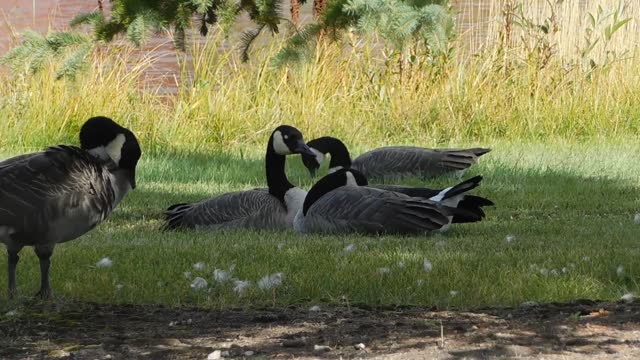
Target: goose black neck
(276, 177)
(334, 147)
(325, 185)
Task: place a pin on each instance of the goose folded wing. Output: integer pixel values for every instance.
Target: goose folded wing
(408, 190)
(44, 185)
(241, 209)
(368, 210)
(412, 160)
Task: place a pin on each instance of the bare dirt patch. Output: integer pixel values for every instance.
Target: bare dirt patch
(92, 331)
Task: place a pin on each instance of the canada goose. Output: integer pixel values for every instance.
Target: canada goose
(392, 161)
(58, 194)
(341, 202)
(272, 208)
(453, 196)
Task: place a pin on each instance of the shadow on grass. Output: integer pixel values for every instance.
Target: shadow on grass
(519, 194)
(124, 331)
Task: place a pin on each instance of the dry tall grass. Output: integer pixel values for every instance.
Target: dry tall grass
(485, 23)
(507, 91)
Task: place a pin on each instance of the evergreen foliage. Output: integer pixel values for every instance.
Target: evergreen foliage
(428, 24)
(400, 22)
(70, 49)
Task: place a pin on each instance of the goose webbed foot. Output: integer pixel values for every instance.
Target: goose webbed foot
(43, 294)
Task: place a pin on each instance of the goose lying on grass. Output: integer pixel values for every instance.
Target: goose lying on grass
(61, 193)
(392, 161)
(274, 208)
(454, 196)
(341, 203)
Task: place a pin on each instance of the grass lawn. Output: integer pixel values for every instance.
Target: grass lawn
(568, 209)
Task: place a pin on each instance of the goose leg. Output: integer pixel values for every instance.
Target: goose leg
(45, 261)
(13, 263)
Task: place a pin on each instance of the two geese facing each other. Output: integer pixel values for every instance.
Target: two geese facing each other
(342, 201)
(62, 192)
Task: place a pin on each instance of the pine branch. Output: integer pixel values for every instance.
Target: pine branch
(137, 30)
(36, 51)
(201, 6)
(298, 45)
(248, 37)
(75, 62)
(93, 18)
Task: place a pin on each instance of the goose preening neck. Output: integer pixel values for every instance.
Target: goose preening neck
(107, 140)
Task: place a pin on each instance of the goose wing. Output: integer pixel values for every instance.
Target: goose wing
(413, 191)
(373, 211)
(410, 160)
(455, 196)
(251, 209)
(39, 190)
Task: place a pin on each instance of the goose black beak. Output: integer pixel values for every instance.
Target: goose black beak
(302, 148)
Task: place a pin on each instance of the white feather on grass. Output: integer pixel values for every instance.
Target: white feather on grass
(199, 283)
(272, 281)
(104, 263)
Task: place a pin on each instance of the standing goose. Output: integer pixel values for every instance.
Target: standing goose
(61, 193)
(341, 203)
(455, 196)
(251, 209)
(393, 161)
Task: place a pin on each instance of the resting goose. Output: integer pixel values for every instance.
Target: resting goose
(61, 193)
(274, 208)
(341, 203)
(455, 196)
(393, 161)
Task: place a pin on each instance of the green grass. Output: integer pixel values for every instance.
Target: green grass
(564, 203)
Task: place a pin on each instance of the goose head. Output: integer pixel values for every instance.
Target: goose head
(332, 181)
(105, 139)
(287, 140)
(321, 146)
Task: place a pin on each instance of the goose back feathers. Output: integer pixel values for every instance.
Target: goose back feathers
(56, 195)
(392, 161)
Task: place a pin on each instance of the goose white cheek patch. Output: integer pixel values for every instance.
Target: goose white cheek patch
(278, 144)
(114, 148)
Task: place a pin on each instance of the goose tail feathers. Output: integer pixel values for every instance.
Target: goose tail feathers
(174, 216)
